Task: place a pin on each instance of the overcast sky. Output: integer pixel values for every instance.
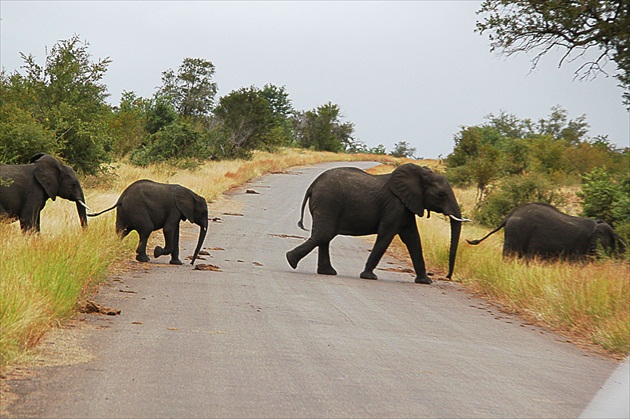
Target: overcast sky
(400, 71)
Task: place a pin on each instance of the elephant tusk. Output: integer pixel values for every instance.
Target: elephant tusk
(83, 204)
(461, 220)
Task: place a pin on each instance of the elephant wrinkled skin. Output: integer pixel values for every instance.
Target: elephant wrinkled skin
(349, 201)
(25, 188)
(146, 206)
(540, 230)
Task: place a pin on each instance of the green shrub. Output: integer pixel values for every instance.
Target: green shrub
(607, 197)
(511, 192)
(179, 140)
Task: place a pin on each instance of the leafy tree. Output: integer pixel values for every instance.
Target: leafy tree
(403, 149)
(21, 136)
(511, 192)
(128, 124)
(246, 118)
(322, 129)
(66, 96)
(190, 90)
(574, 26)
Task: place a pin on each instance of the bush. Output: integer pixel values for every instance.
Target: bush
(179, 140)
(21, 136)
(511, 192)
(607, 197)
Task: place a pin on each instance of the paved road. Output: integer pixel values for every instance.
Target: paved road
(261, 340)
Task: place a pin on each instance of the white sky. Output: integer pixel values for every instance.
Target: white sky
(412, 70)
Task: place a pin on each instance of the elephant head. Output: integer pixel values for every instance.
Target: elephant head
(57, 179)
(194, 209)
(420, 189)
(604, 235)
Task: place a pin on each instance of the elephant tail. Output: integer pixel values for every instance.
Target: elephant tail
(475, 242)
(306, 198)
(104, 211)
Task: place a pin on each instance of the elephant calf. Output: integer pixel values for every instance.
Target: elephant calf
(147, 206)
(540, 230)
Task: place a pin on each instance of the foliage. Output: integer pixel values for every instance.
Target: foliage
(322, 129)
(511, 192)
(65, 97)
(21, 136)
(179, 140)
(247, 120)
(607, 197)
(403, 149)
(574, 26)
(191, 90)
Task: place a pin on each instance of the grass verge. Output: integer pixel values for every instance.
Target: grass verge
(589, 302)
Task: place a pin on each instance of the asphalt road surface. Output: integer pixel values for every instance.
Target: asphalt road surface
(258, 339)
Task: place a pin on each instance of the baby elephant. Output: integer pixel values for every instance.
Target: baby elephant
(540, 230)
(146, 206)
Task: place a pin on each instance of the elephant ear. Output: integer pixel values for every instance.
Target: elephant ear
(47, 171)
(407, 183)
(185, 202)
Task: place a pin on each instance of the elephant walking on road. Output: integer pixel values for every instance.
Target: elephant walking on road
(540, 230)
(25, 188)
(352, 202)
(146, 206)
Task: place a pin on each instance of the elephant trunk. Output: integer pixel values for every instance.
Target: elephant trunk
(82, 210)
(456, 229)
(202, 236)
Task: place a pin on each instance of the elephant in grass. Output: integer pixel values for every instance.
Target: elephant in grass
(146, 206)
(25, 188)
(540, 230)
(349, 201)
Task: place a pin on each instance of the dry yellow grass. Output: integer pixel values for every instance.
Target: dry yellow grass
(45, 275)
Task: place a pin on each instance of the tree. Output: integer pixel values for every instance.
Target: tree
(322, 129)
(403, 149)
(191, 90)
(574, 26)
(66, 96)
(246, 118)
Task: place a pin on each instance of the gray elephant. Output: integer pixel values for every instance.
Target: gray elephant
(540, 230)
(146, 206)
(349, 201)
(25, 188)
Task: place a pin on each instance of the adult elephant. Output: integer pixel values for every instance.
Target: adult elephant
(349, 201)
(540, 230)
(146, 206)
(25, 188)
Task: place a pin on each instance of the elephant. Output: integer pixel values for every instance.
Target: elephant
(146, 206)
(350, 201)
(25, 188)
(540, 230)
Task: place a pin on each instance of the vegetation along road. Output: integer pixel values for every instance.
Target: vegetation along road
(253, 338)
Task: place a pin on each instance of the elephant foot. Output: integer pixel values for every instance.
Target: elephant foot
(157, 252)
(142, 258)
(368, 275)
(293, 261)
(423, 280)
(328, 270)
(176, 262)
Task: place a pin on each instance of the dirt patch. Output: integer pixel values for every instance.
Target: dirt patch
(207, 267)
(92, 307)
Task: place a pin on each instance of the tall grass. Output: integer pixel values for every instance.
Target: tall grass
(43, 276)
(589, 301)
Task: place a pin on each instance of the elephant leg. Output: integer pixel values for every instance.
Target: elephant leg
(411, 238)
(380, 246)
(141, 250)
(324, 266)
(296, 255)
(171, 246)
